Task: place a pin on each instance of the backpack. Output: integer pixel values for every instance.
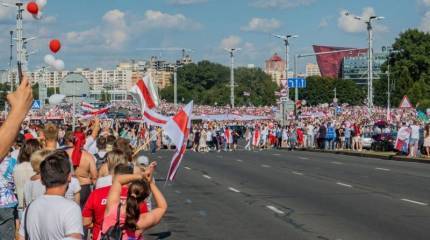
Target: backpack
(114, 232)
(100, 160)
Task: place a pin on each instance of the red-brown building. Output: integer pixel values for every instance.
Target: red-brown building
(331, 64)
(275, 67)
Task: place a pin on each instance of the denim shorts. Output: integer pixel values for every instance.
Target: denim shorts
(413, 141)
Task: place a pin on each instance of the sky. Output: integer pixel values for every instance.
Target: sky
(101, 33)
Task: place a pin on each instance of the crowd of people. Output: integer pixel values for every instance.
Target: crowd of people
(56, 183)
(89, 181)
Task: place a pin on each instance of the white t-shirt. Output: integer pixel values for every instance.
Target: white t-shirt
(52, 217)
(415, 132)
(74, 187)
(104, 182)
(33, 190)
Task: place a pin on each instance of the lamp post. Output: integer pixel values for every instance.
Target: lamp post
(368, 21)
(286, 39)
(231, 51)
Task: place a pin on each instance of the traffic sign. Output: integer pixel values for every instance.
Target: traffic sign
(36, 105)
(297, 83)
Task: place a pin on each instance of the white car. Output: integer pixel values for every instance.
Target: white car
(367, 140)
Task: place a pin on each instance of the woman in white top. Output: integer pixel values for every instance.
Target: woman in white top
(23, 171)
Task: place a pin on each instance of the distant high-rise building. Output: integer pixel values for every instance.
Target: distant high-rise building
(275, 67)
(312, 70)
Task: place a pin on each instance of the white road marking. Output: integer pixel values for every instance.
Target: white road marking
(304, 158)
(416, 202)
(265, 166)
(187, 168)
(298, 173)
(383, 169)
(344, 184)
(233, 190)
(238, 160)
(275, 209)
(276, 154)
(206, 176)
(337, 163)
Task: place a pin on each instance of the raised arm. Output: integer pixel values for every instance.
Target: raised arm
(96, 128)
(154, 217)
(20, 102)
(115, 190)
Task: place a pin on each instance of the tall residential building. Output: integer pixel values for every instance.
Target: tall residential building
(275, 67)
(312, 70)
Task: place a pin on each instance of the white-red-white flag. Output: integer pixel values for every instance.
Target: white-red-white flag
(91, 110)
(178, 130)
(153, 118)
(228, 136)
(146, 93)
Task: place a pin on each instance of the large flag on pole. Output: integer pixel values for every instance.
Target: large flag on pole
(146, 93)
(178, 130)
(154, 118)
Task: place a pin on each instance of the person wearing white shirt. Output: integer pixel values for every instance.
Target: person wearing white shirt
(52, 216)
(413, 141)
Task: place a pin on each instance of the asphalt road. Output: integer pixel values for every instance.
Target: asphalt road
(293, 195)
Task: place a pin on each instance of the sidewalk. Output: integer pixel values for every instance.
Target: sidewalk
(371, 154)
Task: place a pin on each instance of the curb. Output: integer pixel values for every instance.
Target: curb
(370, 155)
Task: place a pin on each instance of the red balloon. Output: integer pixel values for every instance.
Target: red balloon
(32, 8)
(55, 45)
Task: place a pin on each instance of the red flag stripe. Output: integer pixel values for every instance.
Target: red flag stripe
(146, 94)
(153, 119)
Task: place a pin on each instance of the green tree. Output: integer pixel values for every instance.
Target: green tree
(321, 90)
(208, 83)
(410, 67)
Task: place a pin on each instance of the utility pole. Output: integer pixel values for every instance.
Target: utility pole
(232, 51)
(286, 39)
(369, 26)
(10, 62)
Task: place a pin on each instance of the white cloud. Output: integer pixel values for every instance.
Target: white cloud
(425, 22)
(112, 34)
(115, 31)
(187, 2)
(280, 3)
(155, 20)
(347, 22)
(230, 42)
(425, 2)
(262, 25)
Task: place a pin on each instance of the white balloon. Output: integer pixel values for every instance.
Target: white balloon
(59, 65)
(56, 99)
(49, 59)
(41, 3)
(38, 16)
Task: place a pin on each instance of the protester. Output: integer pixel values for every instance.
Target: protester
(23, 171)
(52, 216)
(133, 222)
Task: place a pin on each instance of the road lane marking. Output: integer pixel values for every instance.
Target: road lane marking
(233, 190)
(275, 209)
(337, 163)
(416, 202)
(298, 173)
(187, 168)
(206, 176)
(383, 169)
(276, 154)
(344, 184)
(304, 158)
(265, 166)
(238, 160)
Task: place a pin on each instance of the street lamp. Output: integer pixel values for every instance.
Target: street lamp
(368, 21)
(232, 51)
(286, 38)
